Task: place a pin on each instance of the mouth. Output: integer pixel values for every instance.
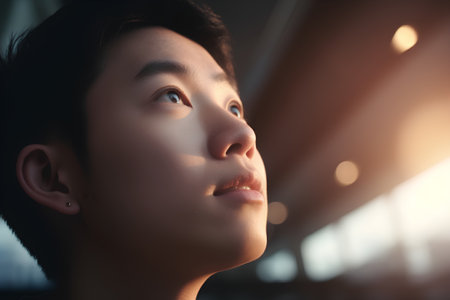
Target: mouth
(243, 182)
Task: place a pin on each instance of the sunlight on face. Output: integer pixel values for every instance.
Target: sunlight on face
(174, 163)
(193, 160)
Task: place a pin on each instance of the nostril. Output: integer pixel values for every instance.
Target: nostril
(250, 152)
(236, 138)
(234, 148)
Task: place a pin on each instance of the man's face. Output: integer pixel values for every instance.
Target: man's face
(172, 158)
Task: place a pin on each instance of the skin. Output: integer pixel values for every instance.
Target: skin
(160, 143)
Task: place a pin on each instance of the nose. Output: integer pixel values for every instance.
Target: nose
(232, 136)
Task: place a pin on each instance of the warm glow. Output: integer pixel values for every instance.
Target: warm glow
(423, 204)
(404, 38)
(346, 173)
(277, 213)
(424, 136)
(193, 160)
(415, 214)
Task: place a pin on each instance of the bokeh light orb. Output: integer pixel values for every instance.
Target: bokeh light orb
(347, 172)
(278, 213)
(404, 38)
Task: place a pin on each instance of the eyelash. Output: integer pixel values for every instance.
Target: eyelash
(166, 90)
(171, 89)
(239, 107)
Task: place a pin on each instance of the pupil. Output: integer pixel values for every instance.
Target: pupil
(174, 98)
(235, 111)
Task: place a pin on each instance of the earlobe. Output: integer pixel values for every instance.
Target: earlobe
(43, 177)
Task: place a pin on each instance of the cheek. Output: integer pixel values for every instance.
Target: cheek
(140, 178)
(258, 163)
(148, 183)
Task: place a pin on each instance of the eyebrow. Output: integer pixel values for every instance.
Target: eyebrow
(158, 67)
(172, 67)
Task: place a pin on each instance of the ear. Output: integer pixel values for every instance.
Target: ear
(46, 175)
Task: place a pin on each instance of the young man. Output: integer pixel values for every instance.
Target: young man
(130, 171)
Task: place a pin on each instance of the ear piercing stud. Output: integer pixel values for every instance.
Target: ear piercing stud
(68, 204)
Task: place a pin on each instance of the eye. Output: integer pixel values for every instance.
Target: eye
(171, 97)
(236, 109)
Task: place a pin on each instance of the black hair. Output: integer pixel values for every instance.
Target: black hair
(44, 77)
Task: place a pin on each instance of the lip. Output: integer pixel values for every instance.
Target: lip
(244, 188)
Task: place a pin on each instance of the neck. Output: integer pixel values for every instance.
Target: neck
(98, 273)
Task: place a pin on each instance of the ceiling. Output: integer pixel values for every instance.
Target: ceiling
(322, 84)
(328, 62)
(329, 87)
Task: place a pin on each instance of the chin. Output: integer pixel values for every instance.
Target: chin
(244, 250)
(254, 248)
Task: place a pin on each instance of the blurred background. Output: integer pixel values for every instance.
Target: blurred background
(350, 101)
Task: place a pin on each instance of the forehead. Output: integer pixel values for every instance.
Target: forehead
(134, 50)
